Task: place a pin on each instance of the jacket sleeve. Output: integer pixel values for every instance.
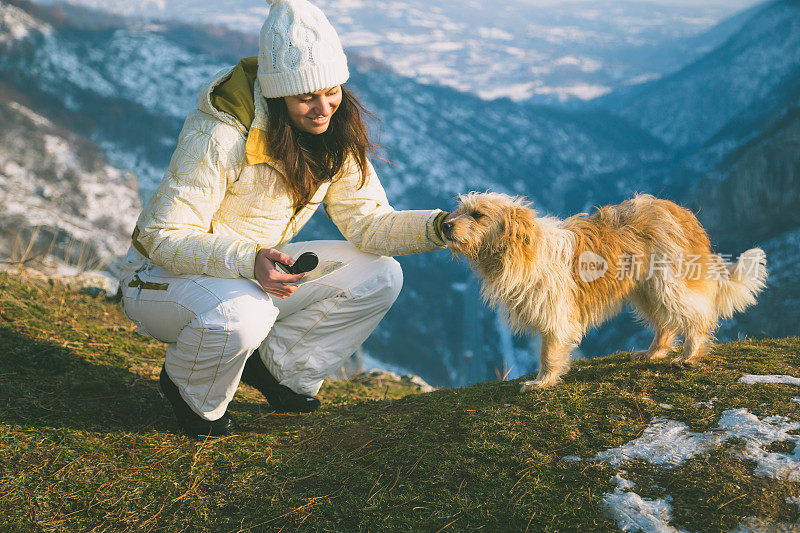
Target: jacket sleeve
(174, 229)
(366, 219)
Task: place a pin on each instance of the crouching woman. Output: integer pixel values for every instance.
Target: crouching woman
(271, 139)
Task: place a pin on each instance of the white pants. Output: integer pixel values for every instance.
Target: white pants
(212, 325)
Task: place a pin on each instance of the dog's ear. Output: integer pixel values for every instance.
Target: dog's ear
(519, 232)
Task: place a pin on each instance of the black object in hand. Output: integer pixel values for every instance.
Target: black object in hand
(305, 263)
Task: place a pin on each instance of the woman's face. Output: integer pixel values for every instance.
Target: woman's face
(312, 112)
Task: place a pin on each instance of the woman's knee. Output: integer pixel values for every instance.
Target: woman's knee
(245, 320)
(389, 282)
(395, 276)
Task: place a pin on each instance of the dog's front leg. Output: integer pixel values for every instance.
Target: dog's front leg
(553, 363)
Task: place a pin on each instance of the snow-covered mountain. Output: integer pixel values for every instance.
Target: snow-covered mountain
(518, 49)
(64, 206)
(745, 78)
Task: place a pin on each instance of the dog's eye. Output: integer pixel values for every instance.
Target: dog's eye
(477, 215)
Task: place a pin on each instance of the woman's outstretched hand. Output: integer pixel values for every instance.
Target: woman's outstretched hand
(272, 280)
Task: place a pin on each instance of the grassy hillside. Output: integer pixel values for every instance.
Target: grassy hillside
(87, 442)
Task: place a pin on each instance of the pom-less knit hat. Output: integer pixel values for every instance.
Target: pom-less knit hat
(299, 51)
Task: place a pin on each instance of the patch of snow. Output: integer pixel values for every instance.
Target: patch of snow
(585, 64)
(583, 91)
(751, 379)
(16, 24)
(353, 39)
(60, 150)
(669, 443)
(665, 405)
(753, 523)
(699, 21)
(631, 512)
(642, 78)
(572, 458)
(709, 403)
(621, 482)
(418, 381)
(513, 91)
(445, 46)
(495, 33)
(665, 443)
(564, 34)
(28, 113)
(758, 433)
(135, 160)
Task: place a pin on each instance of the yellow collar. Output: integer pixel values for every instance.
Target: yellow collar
(256, 148)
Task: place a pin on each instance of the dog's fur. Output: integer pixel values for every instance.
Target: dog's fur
(531, 269)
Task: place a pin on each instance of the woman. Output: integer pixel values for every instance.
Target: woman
(271, 139)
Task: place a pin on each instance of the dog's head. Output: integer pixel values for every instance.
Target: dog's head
(489, 223)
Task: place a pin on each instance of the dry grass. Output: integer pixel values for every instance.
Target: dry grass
(33, 249)
(87, 443)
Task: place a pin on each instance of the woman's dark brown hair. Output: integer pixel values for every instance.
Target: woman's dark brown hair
(312, 159)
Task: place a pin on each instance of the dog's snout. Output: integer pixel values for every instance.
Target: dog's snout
(447, 228)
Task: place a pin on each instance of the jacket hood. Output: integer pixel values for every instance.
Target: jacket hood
(234, 97)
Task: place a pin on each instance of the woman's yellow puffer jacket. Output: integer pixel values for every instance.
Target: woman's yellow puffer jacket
(223, 197)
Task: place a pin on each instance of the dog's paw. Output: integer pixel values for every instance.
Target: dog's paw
(538, 383)
(649, 355)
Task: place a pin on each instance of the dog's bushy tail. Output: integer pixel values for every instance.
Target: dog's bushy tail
(746, 278)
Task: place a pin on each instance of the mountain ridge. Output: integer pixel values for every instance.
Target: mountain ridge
(548, 52)
(681, 120)
(56, 188)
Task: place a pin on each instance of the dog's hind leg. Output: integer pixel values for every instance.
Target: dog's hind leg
(698, 339)
(652, 307)
(553, 363)
(699, 320)
(661, 345)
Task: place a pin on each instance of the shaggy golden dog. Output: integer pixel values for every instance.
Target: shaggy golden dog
(561, 277)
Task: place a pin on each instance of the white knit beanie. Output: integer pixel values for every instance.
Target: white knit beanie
(299, 51)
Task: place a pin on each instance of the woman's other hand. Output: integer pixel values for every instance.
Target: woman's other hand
(272, 280)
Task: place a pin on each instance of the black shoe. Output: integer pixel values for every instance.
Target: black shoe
(280, 397)
(192, 423)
